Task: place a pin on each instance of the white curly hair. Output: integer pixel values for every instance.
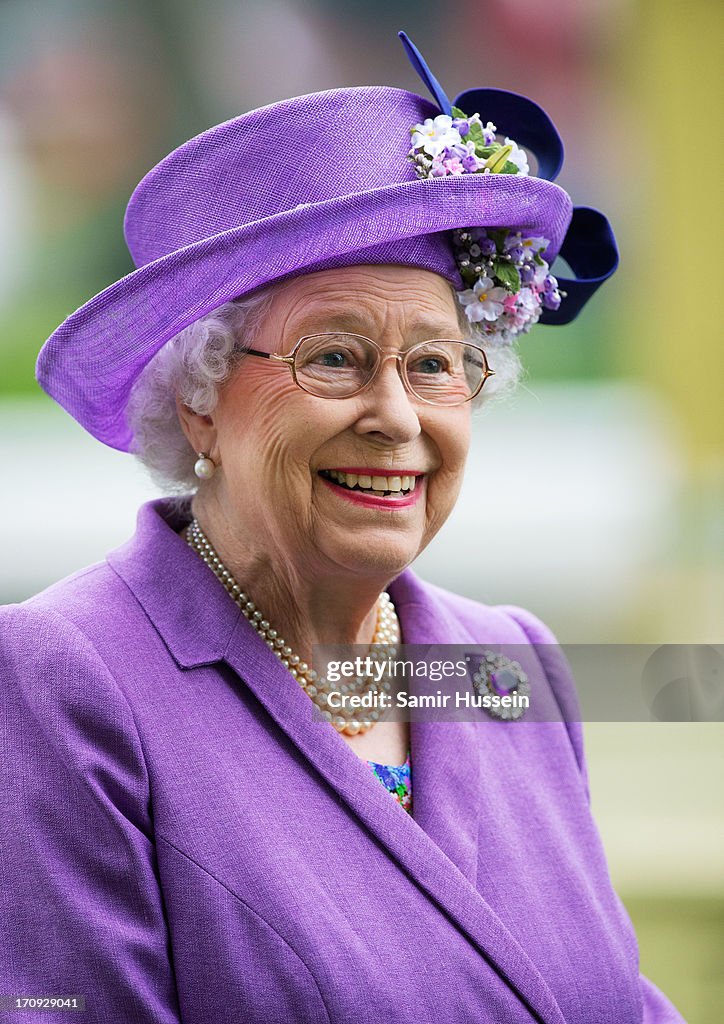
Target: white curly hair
(205, 355)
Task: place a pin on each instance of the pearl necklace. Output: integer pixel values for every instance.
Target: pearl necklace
(317, 688)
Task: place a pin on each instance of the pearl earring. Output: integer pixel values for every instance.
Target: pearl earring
(204, 467)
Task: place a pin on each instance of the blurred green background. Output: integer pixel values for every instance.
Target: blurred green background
(596, 497)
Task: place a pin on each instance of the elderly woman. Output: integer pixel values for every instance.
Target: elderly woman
(325, 287)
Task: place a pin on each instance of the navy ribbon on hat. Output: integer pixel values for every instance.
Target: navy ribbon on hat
(590, 250)
(589, 247)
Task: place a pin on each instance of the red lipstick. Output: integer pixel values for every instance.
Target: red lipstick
(371, 500)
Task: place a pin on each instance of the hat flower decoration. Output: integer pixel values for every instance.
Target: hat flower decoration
(509, 283)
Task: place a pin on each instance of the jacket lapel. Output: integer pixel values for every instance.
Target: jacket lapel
(438, 848)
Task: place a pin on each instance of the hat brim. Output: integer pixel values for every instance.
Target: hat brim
(90, 363)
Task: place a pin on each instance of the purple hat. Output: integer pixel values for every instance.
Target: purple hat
(319, 181)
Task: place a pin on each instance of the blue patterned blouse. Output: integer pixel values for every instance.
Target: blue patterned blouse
(397, 779)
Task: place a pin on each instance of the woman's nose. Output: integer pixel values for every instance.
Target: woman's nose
(388, 408)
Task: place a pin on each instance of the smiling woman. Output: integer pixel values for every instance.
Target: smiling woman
(319, 564)
(296, 358)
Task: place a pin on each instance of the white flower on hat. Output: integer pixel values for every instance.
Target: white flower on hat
(435, 135)
(537, 244)
(517, 156)
(483, 301)
(540, 275)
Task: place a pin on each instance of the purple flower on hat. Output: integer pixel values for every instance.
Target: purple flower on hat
(470, 161)
(551, 300)
(550, 296)
(489, 133)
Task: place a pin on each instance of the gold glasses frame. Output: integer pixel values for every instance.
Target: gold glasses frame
(383, 355)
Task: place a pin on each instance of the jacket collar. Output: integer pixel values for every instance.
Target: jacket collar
(439, 846)
(186, 605)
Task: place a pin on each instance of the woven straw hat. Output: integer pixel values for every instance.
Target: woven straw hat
(307, 184)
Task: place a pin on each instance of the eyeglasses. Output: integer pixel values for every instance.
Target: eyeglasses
(341, 365)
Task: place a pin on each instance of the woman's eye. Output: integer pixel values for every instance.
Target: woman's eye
(431, 364)
(334, 359)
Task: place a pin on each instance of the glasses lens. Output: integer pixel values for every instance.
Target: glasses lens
(445, 372)
(335, 365)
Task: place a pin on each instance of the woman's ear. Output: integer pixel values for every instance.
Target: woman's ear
(200, 430)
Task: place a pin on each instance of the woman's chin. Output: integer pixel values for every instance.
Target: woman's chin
(377, 555)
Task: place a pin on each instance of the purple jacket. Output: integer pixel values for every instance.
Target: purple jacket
(182, 842)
